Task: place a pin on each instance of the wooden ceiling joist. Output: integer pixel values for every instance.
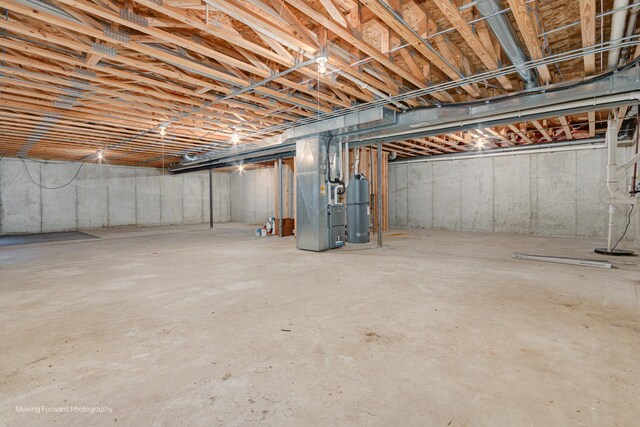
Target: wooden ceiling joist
(106, 74)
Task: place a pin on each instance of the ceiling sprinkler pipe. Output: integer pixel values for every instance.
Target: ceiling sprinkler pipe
(507, 38)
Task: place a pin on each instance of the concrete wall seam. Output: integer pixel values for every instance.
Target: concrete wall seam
(100, 196)
(548, 193)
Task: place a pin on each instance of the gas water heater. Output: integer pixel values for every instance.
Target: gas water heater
(358, 210)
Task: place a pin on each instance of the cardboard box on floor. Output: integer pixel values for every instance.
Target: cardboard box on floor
(288, 225)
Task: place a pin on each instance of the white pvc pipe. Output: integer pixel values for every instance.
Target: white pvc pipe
(339, 169)
(617, 32)
(346, 164)
(357, 162)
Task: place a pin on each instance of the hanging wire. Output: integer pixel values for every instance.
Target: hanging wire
(626, 228)
(26, 168)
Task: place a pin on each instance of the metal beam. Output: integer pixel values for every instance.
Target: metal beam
(280, 197)
(368, 127)
(210, 198)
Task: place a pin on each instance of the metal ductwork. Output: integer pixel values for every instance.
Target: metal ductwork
(380, 125)
(503, 31)
(280, 146)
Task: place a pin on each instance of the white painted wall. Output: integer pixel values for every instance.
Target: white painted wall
(559, 193)
(103, 196)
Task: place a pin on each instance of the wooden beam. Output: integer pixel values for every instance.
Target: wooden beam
(529, 32)
(588, 30)
(333, 11)
(488, 58)
(565, 127)
(416, 41)
(498, 135)
(520, 134)
(297, 26)
(542, 130)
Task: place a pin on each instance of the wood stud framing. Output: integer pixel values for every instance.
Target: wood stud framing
(82, 76)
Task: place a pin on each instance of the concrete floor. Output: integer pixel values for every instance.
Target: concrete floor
(186, 326)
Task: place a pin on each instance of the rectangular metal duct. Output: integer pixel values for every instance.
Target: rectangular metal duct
(312, 194)
(377, 124)
(274, 146)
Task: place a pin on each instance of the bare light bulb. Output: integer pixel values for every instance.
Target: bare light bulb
(322, 64)
(241, 168)
(480, 144)
(235, 137)
(163, 130)
(100, 155)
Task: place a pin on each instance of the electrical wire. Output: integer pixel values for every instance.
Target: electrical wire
(444, 86)
(26, 168)
(625, 229)
(546, 47)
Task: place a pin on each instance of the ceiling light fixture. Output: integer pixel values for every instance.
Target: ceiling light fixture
(241, 168)
(322, 64)
(235, 137)
(162, 130)
(480, 143)
(100, 155)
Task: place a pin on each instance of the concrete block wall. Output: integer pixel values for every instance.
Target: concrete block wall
(103, 196)
(547, 193)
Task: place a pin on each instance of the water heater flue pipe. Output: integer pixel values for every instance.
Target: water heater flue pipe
(357, 162)
(347, 168)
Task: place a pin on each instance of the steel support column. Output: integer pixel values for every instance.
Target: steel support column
(379, 191)
(210, 198)
(280, 198)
